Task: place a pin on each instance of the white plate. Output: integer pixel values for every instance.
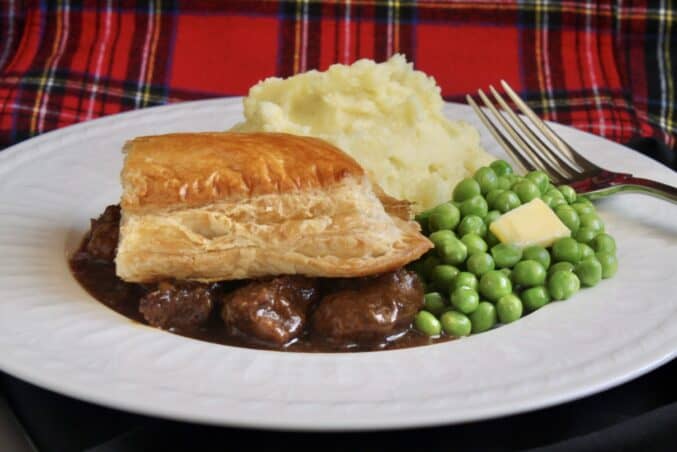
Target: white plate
(54, 335)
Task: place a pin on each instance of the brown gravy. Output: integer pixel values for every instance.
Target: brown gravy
(99, 279)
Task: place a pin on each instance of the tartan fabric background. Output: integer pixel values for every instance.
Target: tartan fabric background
(607, 67)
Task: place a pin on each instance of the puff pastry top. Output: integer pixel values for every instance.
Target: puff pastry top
(183, 170)
(222, 206)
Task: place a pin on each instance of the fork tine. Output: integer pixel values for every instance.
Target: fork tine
(522, 145)
(502, 140)
(556, 165)
(561, 145)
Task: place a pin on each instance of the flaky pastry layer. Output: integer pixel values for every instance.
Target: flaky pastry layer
(341, 232)
(328, 226)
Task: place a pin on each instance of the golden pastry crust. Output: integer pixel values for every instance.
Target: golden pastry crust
(332, 225)
(183, 170)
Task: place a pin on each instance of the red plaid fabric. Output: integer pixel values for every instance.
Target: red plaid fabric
(607, 67)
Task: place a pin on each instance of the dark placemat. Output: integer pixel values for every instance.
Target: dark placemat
(639, 415)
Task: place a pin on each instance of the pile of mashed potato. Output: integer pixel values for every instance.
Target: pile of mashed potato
(386, 115)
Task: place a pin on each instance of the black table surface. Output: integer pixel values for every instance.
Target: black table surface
(640, 415)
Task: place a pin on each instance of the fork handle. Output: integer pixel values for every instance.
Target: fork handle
(607, 183)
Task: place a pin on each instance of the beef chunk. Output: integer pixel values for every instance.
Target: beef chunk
(370, 311)
(184, 306)
(272, 311)
(103, 237)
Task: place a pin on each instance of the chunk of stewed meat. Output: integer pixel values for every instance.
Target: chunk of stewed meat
(371, 311)
(185, 306)
(272, 311)
(103, 236)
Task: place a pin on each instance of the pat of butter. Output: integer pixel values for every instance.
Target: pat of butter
(533, 223)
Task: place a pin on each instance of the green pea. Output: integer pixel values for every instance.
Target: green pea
(444, 216)
(491, 239)
(609, 263)
(442, 276)
(584, 199)
(492, 216)
(452, 251)
(553, 200)
(550, 189)
(592, 221)
(487, 179)
(466, 189)
(604, 242)
(501, 167)
(535, 298)
(423, 216)
(558, 202)
(586, 251)
(506, 201)
(509, 308)
(494, 284)
(515, 179)
(569, 217)
(427, 323)
(547, 198)
(566, 249)
(465, 299)
(526, 190)
(422, 219)
(441, 236)
(528, 273)
(504, 183)
(585, 234)
(540, 179)
(476, 205)
(506, 255)
(434, 302)
(480, 263)
(568, 193)
(538, 254)
(474, 243)
(472, 224)
(589, 271)
(554, 191)
(484, 317)
(583, 207)
(465, 279)
(456, 324)
(563, 284)
(491, 196)
(507, 272)
(561, 266)
(429, 263)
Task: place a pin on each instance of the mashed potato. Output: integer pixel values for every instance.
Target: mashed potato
(387, 116)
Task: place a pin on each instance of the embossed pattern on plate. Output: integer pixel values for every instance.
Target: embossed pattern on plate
(54, 335)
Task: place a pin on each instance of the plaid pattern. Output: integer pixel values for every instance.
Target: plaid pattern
(607, 67)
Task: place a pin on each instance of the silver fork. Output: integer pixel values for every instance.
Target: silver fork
(553, 155)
